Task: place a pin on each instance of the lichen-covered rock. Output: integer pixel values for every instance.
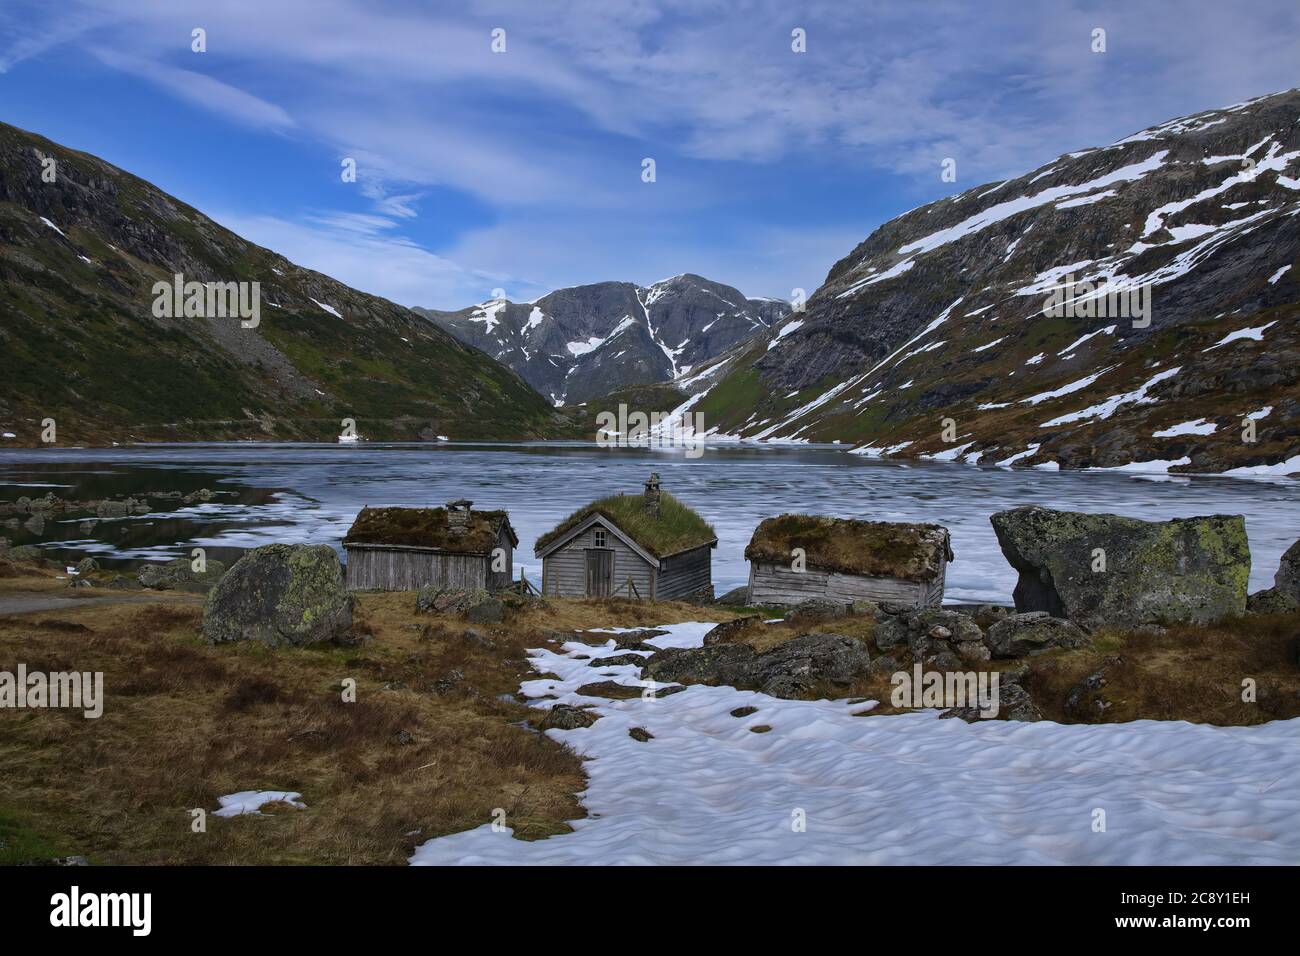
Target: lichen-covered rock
(928, 631)
(473, 604)
(179, 575)
(1284, 595)
(1022, 635)
(565, 717)
(736, 597)
(728, 630)
(1108, 570)
(280, 594)
(789, 670)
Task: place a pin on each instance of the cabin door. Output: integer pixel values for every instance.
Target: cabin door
(600, 572)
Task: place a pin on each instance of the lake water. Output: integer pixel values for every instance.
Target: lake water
(311, 493)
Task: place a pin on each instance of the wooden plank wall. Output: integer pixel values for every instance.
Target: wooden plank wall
(685, 574)
(564, 571)
(780, 585)
(380, 569)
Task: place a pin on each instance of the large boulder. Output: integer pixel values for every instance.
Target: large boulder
(1022, 635)
(1284, 595)
(280, 594)
(789, 670)
(1111, 571)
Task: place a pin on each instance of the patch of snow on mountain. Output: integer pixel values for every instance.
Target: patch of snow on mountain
(1197, 426)
(1255, 335)
(1108, 407)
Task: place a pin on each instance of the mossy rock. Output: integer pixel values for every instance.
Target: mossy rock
(1112, 571)
(280, 594)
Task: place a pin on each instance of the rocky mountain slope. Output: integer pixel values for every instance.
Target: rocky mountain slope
(587, 341)
(931, 337)
(82, 343)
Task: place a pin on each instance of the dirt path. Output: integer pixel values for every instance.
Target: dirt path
(27, 602)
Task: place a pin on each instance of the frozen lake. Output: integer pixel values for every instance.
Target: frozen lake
(310, 493)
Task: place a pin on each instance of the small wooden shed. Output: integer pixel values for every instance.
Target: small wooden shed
(402, 549)
(796, 558)
(648, 546)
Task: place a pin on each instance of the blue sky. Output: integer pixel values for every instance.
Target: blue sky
(522, 170)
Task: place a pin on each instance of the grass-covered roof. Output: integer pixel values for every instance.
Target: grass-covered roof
(677, 527)
(910, 552)
(426, 528)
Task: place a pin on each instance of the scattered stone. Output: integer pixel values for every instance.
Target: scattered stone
(403, 737)
(1085, 702)
(744, 711)
(760, 728)
(77, 582)
(928, 633)
(1023, 635)
(179, 575)
(1192, 570)
(613, 690)
(728, 630)
(477, 638)
(280, 594)
(566, 717)
(87, 566)
(640, 734)
(618, 660)
(473, 604)
(816, 609)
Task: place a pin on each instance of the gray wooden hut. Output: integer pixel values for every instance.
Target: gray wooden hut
(402, 549)
(796, 558)
(648, 546)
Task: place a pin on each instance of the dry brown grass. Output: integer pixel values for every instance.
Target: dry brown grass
(1189, 673)
(185, 723)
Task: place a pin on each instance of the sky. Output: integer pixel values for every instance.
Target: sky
(523, 169)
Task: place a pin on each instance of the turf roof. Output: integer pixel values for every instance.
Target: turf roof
(677, 528)
(910, 552)
(425, 528)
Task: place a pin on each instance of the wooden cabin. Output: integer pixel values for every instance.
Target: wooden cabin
(402, 549)
(796, 558)
(648, 546)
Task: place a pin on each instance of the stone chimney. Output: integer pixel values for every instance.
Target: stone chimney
(458, 516)
(652, 495)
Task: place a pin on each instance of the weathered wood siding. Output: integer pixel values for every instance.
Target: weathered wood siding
(402, 569)
(502, 579)
(685, 574)
(779, 584)
(564, 571)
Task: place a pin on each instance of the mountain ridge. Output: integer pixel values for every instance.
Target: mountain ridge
(582, 342)
(79, 258)
(936, 317)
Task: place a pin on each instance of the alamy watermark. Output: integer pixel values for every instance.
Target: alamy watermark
(947, 689)
(629, 429)
(59, 690)
(208, 300)
(1081, 300)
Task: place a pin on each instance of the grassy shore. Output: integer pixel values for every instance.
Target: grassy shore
(435, 742)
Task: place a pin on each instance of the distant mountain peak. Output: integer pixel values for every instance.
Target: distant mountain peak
(586, 341)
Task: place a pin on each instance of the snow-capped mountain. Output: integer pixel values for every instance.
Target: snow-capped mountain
(583, 342)
(936, 336)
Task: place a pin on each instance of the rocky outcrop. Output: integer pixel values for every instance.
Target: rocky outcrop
(1111, 571)
(1023, 635)
(790, 670)
(473, 604)
(179, 575)
(280, 594)
(566, 717)
(1284, 595)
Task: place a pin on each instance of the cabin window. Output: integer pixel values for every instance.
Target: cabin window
(600, 537)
